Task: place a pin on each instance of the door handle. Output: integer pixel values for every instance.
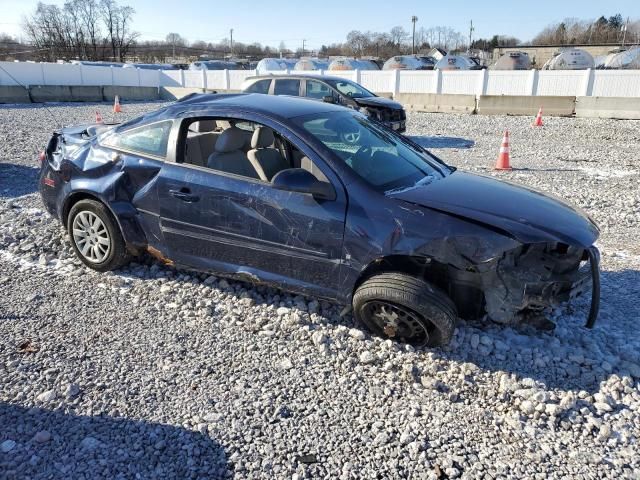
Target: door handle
(185, 195)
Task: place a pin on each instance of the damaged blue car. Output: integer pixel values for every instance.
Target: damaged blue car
(318, 199)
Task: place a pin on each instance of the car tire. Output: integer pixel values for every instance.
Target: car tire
(405, 308)
(93, 230)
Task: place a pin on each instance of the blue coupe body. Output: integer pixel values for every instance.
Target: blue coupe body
(315, 198)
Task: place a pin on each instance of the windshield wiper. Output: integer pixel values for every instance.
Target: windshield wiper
(420, 183)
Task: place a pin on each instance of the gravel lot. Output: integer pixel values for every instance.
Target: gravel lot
(164, 374)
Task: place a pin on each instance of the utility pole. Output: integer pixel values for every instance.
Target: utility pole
(471, 29)
(624, 30)
(303, 42)
(414, 19)
(231, 41)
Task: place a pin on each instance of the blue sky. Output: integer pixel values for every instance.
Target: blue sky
(328, 21)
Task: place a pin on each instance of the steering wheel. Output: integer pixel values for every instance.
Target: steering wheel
(362, 150)
(360, 161)
(350, 137)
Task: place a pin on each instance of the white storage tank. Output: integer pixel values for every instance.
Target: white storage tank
(409, 62)
(214, 65)
(513, 61)
(276, 64)
(311, 64)
(571, 59)
(353, 64)
(457, 62)
(629, 60)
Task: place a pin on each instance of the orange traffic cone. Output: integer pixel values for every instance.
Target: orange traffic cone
(98, 117)
(503, 157)
(116, 105)
(538, 121)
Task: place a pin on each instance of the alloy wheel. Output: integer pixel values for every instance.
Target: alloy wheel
(91, 237)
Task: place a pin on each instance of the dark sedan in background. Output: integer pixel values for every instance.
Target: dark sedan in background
(329, 89)
(318, 199)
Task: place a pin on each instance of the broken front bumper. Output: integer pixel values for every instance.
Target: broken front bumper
(594, 265)
(530, 280)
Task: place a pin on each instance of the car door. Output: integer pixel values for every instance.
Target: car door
(287, 86)
(218, 221)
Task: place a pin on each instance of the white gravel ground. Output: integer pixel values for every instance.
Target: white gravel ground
(152, 373)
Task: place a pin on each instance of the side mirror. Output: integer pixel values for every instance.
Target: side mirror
(301, 181)
(328, 99)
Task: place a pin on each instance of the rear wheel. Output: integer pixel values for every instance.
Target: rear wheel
(95, 236)
(405, 308)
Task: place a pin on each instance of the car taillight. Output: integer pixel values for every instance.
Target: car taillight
(42, 156)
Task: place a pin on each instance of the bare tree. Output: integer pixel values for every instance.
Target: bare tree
(357, 42)
(174, 39)
(399, 35)
(90, 15)
(46, 29)
(116, 19)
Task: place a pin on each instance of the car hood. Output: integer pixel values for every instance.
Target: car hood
(379, 102)
(525, 214)
(84, 133)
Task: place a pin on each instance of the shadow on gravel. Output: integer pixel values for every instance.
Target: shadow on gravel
(442, 142)
(527, 169)
(103, 447)
(57, 121)
(620, 299)
(17, 180)
(586, 367)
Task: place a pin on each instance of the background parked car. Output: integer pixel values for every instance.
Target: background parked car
(331, 90)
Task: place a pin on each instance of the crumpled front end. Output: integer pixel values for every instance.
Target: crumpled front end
(533, 277)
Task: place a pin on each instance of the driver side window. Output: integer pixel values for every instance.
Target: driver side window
(241, 147)
(317, 90)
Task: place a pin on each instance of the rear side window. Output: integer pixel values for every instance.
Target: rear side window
(261, 86)
(316, 89)
(288, 86)
(148, 139)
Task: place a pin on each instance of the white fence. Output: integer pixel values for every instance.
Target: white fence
(602, 83)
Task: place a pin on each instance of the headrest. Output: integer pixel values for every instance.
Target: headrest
(230, 140)
(262, 138)
(203, 126)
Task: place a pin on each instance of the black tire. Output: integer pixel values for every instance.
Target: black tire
(117, 254)
(427, 316)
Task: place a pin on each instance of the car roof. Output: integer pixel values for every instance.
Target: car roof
(300, 76)
(270, 105)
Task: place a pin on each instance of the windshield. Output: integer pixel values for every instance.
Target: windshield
(350, 89)
(386, 160)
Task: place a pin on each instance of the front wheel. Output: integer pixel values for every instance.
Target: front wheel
(96, 237)
(405, 308)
